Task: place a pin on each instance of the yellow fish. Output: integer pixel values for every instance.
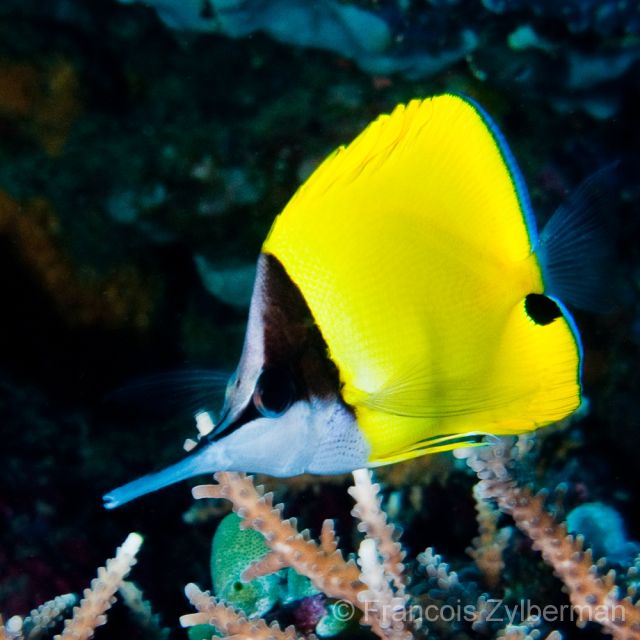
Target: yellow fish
(403, 304)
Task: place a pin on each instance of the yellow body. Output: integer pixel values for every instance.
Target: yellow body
(411, 248)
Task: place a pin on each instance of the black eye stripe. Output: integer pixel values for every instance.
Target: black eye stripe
(278, 379)
(291, 336)
(248, 414)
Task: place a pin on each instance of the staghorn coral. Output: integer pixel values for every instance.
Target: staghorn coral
(231, 622)
(101, 595)
(238, 552)
(488, 547)
(373, 522)
(379, 590)
(90, 613)
(445, 589)
(378, 585)
(380, 558)
(381, 604)
(525, 631)
(594, 596)
(47, 615)
(141, 611)
(323, 564)
(371, 590)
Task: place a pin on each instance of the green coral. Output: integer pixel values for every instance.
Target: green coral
(332, 623)
(233, 551)
(297, 587)
(202, 632)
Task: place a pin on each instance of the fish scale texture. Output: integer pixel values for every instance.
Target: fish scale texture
(413, 250)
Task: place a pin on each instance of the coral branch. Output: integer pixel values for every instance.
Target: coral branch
(526, 630)
(322, 564)
(328, 540)
(12, 630)
(141, 610)
(228, 620)
(42, 619)
(373, 523)
(594, 597)
(99, 598)
(488, 546)
(271, 563)
(438, 571)
(329, 572)
(381, 607)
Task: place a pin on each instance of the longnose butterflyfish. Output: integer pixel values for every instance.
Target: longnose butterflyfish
(404, 304)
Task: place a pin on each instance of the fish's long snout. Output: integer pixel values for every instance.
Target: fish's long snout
(208, 459)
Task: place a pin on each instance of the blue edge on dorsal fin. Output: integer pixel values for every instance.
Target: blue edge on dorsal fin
(574, 249)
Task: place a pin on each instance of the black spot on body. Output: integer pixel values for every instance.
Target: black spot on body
(541, 309)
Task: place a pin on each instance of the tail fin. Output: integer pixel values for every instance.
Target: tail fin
(575, 248)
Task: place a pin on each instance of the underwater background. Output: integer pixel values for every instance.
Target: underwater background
(145, 149)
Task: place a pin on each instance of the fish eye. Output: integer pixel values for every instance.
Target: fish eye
(274, 392)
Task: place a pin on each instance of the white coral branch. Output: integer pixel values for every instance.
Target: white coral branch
(373, 523)
(101, 595)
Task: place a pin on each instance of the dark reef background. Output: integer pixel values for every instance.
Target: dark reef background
(145, 150)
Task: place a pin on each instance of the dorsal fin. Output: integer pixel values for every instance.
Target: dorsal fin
(575, 246)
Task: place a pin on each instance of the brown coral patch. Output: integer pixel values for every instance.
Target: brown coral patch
(40, 102)
(123, 297)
